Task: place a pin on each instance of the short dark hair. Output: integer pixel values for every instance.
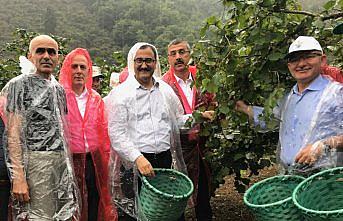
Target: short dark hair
(179, 41)
(152, 48)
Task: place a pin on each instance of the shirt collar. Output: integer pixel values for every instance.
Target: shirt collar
(179, 80)
(139, 86)
(83, 94)
(319, 83)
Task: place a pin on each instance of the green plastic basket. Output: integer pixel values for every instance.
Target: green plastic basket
(164, 197)
(320, 197)
(271, 199)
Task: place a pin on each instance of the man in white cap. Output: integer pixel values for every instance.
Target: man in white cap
(97, 78)
(311, 114)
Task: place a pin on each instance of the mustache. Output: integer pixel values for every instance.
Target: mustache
(144, 69)
(179, 61)
(46, 61)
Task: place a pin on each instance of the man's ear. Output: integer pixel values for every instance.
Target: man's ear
(324, 60)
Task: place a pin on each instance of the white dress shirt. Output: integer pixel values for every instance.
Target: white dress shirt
(186, 88)
(82, 103)
(141, 120)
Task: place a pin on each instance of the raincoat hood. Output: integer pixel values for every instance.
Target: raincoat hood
(131, 63)
(66, 70)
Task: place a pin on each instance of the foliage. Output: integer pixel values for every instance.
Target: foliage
(9, 65)
(244, 61)
(104, 26)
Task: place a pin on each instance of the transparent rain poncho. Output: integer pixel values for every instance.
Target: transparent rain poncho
(326, 126)
(36, 147)
(124, 174)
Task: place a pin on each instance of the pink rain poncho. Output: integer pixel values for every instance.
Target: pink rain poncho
(93, 129)
(335, 73)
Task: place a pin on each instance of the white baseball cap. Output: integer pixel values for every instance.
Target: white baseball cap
(304, 43)
(96, 72)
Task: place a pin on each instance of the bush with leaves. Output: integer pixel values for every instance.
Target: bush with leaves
(9, 57)
(245, 61)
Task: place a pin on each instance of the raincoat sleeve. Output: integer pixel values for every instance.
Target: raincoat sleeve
(118, 128)
(181, 118)
(14, 121)
(324, 137)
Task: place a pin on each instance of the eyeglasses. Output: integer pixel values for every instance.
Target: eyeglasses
(140, 61)
(51, 51)
(297, 57)
(181, 52)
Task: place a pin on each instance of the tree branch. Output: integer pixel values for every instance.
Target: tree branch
(295, 12)
(333, 16)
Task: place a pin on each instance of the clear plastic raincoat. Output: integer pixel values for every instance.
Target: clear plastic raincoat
(36, 147)
(325, 125)
(88, 134)
(122, 111)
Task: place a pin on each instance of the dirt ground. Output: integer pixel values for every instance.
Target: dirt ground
(227, 204)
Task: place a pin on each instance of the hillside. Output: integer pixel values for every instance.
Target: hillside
(103, 26)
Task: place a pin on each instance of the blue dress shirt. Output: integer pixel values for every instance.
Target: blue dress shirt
(297, 126)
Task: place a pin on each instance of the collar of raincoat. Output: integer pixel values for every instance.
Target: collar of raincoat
(131, 64)
(66, 70)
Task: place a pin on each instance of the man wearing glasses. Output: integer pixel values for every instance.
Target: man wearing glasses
(144, 114)
(43, 186)
(181, 77)
(310, 115)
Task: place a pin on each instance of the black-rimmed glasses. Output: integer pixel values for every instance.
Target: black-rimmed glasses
(140, 61)
(297, 57)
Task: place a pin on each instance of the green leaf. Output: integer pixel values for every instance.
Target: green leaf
(276, 56)
(329, 5)
(212, 20)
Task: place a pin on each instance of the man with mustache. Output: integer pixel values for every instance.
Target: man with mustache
(310, 115)
(181, 77)
(89, 141)
(144, 114)
(43, 186)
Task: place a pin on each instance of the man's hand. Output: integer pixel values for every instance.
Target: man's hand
(310, 153)
(244, 108)
(209, 115)
(144, 166)
(20, 190)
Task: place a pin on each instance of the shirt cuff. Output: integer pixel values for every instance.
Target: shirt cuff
(134, 155)
(257, 111)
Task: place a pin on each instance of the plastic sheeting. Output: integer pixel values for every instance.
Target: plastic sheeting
(124, 174)
(88, 134)
(326, 126)
(36, 147)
